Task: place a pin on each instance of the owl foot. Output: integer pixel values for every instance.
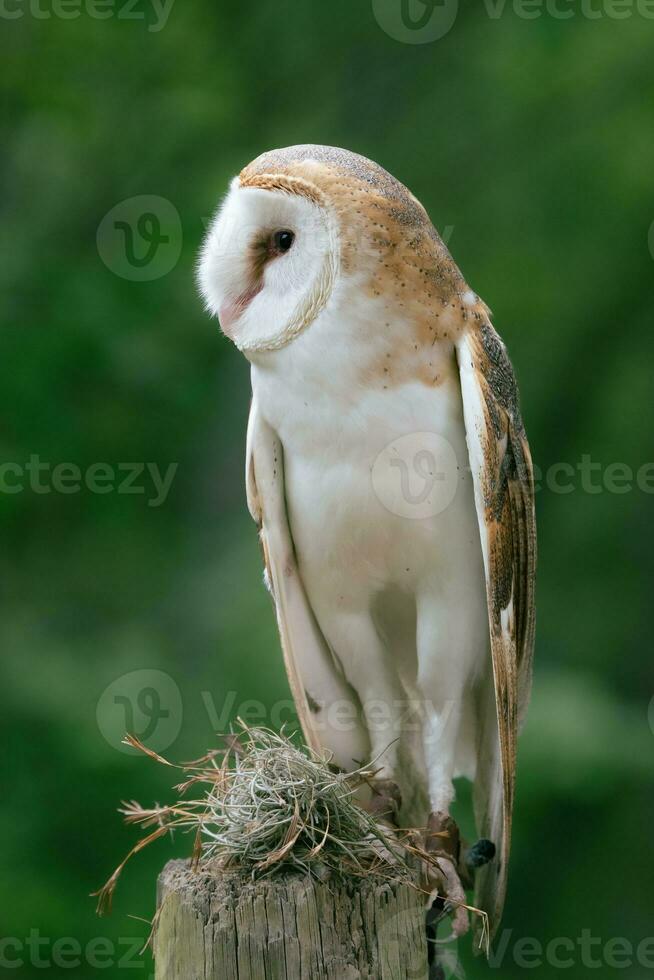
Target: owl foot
(443, 875)
(385, 801)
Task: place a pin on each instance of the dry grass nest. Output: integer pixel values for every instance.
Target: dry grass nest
(266, 805)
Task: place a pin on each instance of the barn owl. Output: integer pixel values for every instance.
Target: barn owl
(389, 473)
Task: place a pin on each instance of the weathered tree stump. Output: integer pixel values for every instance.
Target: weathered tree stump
(219, 925)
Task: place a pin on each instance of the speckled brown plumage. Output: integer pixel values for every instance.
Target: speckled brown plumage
(508, 484)
(398, 252)
(509, 526)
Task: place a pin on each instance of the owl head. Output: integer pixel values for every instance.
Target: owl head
(299, 223)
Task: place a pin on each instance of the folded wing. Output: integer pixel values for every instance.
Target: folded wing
(504, 497)
(327, 706)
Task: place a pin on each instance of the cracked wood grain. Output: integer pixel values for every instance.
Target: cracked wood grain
(218, 925)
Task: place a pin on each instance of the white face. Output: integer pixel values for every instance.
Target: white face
(267, 265)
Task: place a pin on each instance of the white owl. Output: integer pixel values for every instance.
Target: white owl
(389, 472)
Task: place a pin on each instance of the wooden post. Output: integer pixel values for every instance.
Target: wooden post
(219, 925)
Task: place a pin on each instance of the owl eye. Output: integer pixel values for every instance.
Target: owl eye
(282, 240)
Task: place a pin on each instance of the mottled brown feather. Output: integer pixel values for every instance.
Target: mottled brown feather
(507, 521)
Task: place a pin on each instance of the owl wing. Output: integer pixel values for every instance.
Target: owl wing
(316, 681)
(504, 498)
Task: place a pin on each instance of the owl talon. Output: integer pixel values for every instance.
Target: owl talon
(442, 836)
(443, 878)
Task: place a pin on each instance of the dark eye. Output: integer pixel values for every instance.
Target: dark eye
(282, 240)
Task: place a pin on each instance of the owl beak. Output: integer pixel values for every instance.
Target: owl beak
(232, 309)
(227, 314)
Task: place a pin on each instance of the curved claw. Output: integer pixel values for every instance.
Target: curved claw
(443, 844)
(446, 889)
(442, 836)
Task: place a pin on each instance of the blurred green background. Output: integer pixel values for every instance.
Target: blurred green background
(530, 141)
